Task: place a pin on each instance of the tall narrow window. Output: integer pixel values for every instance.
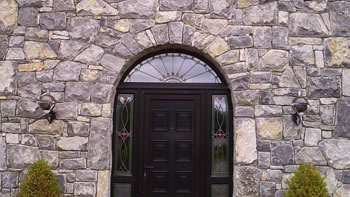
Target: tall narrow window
(123, 134)
(220, 136)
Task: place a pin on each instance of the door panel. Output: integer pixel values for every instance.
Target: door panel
(170, 145)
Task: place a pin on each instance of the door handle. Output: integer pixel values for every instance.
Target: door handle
(147, 167)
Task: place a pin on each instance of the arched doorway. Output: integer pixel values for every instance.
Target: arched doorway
(172, 132)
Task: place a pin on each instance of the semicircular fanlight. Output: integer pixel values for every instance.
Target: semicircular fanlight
(173, 68)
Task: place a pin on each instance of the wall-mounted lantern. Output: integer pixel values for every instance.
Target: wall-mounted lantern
(299, 105)
(47, 103)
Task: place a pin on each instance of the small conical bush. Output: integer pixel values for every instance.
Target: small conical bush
(306, 182)
(39, 181)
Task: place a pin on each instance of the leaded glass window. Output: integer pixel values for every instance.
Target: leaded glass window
(123, 134)
(173, 68)
(220, 136)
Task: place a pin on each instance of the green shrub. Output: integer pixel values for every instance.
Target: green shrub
(39, 181)
(306, 182)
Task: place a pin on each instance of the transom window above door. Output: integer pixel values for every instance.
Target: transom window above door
(172, 68)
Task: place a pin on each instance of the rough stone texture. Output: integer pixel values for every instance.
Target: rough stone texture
(220, 8)
(195, 20)
(102, 188)
(8, 16)
(265, 14)
(264, 160)
(53, 21)
(327, 114)
(84, 189)
(275, 60)
(281, 153)
(269, 128)
(290, 130)
(160, 33)
(9, 179)
(311, 155)
(340, 18)
(84, 29)
(4, 45)
(346, 80)
(28, 16)
(85, 175)
(175, 32)
(112, 63)
(343, 118)
(167, 16)
(2, 154)
(63, 5)
(262, 37)
(312, 136)
(42, 126)
(288, 79)
(99, 139)
(19, 156)
(78, 91)
(248, 181)
(336, 51)
(302, 55)
(236, 42)
(51, 157)
(217, 47)
(69, 49)
(37, 50)
(333, 151)
(67, 110)
(280, 37)
(267, 189)
(267, 110)
(78, 129)
(176, 4)
(46, 142)
(324, 87)
(305, 24)
(91, 109)
(245, 145)
(7, 78)
(67, 71)
(28, 108)
(91, 55)
(137, 9)
(95, 7)
(72, 143)
(73, 164)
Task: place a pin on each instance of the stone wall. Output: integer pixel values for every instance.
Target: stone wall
(268, 51)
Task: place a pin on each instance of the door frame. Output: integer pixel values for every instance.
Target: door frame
(205, 91)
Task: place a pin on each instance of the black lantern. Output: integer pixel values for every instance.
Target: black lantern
(47, 103)
(299, 105)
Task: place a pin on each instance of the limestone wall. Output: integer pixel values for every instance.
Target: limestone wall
(268, 51)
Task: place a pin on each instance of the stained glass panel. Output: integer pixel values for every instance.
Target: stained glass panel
(122, 190)
(219, 190)
(123, 134)
(173, 68)
(220, 136)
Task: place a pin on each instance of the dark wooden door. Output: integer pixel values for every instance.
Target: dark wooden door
(170, 145)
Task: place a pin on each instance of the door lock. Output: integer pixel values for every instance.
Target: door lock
(147, 167)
